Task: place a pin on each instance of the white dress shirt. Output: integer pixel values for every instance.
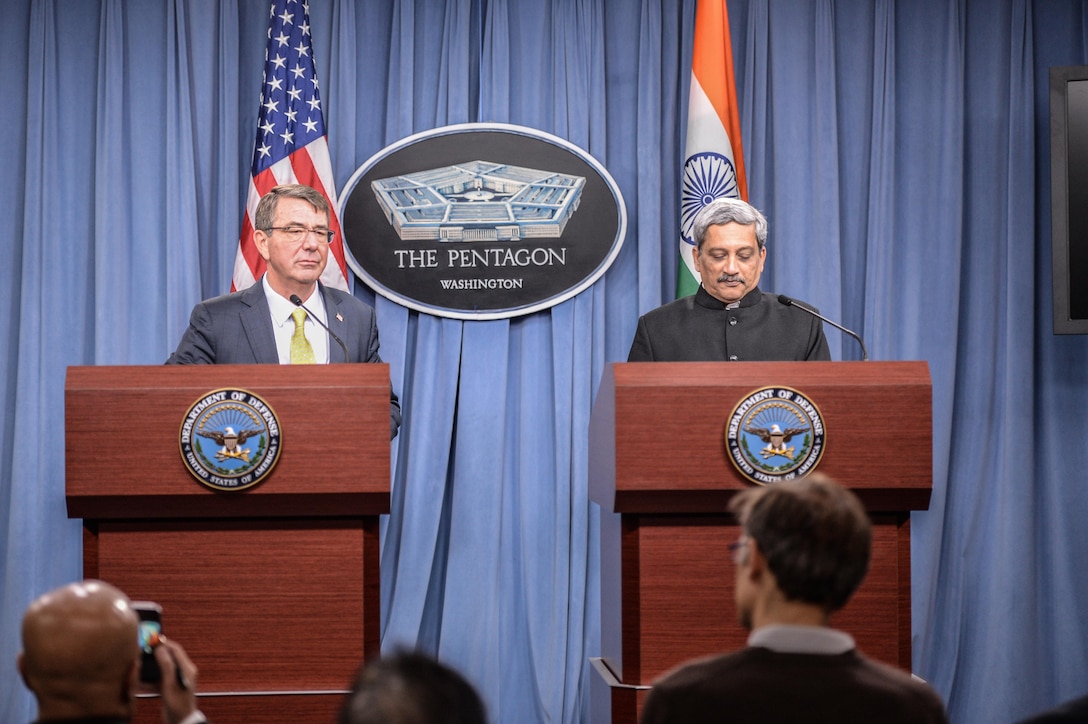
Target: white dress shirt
(283, 325)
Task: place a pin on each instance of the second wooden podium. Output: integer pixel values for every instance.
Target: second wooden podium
(274, 590)
(661, 471)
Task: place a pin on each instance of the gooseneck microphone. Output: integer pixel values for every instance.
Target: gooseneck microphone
(794, 303)
(297, 301)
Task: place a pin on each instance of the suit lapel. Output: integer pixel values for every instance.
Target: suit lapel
(335, 320)
(257, 323)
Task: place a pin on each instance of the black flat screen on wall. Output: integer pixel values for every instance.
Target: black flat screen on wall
(1069, 196)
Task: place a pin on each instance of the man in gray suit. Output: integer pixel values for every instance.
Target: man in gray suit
(265, 324)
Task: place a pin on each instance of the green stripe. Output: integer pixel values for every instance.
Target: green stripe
(686, 284)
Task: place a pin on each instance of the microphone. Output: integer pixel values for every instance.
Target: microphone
(794, 303)
(297, 301)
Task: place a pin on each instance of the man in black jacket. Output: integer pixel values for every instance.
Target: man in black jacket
(728, 318)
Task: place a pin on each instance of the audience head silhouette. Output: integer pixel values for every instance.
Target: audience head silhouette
(811, 535)
(81, 658)
(80, 651)
(411, 688)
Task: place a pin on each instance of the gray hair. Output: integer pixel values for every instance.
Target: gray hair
(725, 211)
(265, 215)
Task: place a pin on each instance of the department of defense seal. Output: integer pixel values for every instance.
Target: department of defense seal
(775, 433)
(230, 439)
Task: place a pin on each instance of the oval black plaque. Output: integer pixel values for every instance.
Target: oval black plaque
(481, 221)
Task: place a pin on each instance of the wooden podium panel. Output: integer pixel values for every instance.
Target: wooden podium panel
(658, 431)
(660, 472)
(273, 590)
(301, 706)
(122, 456)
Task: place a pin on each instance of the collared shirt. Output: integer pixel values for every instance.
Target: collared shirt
(283, 325)
(790, 639)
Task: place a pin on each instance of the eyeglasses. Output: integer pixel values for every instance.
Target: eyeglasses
(738, 548)
(296, 234)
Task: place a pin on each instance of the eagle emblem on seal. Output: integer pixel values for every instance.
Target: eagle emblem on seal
(776, 439)
(230, 440)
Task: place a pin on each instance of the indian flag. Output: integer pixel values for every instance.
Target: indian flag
(713, 158)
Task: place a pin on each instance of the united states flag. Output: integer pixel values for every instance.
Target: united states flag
(291, 146)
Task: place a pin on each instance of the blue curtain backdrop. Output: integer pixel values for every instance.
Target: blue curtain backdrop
(900, 150)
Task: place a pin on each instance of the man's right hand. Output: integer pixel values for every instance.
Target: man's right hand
(178, 686)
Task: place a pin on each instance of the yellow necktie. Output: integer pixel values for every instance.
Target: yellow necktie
(302, 352)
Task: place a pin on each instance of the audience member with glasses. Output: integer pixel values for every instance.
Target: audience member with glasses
(288, 316)
(803, 552)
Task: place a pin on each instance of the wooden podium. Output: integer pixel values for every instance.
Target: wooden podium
(659, 471)
(273, 590)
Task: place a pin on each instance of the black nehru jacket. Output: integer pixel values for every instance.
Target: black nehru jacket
(700, 329)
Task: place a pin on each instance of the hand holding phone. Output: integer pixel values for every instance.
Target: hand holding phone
(158, 655)
(150, 629)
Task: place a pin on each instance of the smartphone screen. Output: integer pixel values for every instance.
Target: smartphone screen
(150, 615)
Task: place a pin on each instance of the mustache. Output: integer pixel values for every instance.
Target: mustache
(723, 278)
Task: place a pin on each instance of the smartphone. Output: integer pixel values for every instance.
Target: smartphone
(150, 616)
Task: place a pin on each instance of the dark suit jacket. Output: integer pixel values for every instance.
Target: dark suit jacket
(237, 329)
(756, 684)
(1069, 712)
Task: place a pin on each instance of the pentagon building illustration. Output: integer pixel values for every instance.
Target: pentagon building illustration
(479, 201)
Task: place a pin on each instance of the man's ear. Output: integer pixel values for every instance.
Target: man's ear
(260, 240)
(20, 664)
(757, 564)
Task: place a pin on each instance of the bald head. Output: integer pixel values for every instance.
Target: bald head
(80, 652)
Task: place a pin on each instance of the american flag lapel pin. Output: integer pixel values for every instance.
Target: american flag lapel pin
(339, 317)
